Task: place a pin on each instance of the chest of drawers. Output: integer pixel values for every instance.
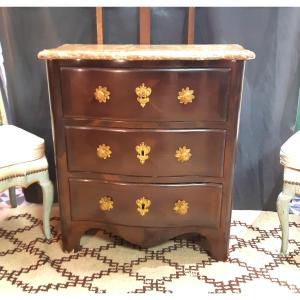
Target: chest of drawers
(145, 140)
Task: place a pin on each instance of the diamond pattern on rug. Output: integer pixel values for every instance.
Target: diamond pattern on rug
(107, 264)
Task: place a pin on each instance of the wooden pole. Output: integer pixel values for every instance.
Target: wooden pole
(99, 22)
(145, 25)
(191, 26)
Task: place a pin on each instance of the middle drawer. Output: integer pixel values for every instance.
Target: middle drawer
(145, 152)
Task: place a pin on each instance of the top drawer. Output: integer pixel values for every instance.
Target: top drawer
(204, 93)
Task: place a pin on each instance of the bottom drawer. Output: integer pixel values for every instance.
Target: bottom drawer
(155, 205)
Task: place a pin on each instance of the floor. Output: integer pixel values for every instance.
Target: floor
(29, 264)
(4, 198)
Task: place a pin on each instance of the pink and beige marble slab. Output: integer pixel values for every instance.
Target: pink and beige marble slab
(148, 52)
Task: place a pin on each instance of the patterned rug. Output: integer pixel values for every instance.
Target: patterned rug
(107, 264)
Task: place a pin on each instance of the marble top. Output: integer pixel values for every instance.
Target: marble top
(148, 52)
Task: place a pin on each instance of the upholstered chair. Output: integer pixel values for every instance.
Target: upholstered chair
(23, 162)
(290, 159)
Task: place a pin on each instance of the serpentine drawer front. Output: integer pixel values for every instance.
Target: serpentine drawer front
(157, 205)
(146, 152)
(159, 94)
(145, 140)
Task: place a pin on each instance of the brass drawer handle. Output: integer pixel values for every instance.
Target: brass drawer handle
(106, 203)
(186, 96)
(143, 205)
(103, 151)
(181, 207)
(183, 154)
(143, 92)
(142, 152)
(102, 94)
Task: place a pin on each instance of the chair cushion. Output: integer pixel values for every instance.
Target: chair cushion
(291, 175)
(19, 146)
(290, 152)
(14, 173)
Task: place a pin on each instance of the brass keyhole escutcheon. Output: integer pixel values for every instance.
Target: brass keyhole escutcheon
(143, 205)
(143, 93)
(142, 152)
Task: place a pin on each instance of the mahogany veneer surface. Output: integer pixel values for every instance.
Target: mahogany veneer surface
(163, 196)
(207, 149)
(78, 86)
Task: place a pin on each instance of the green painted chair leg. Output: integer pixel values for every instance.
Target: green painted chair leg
(12, 197)
(48, 194)
(283, 202)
